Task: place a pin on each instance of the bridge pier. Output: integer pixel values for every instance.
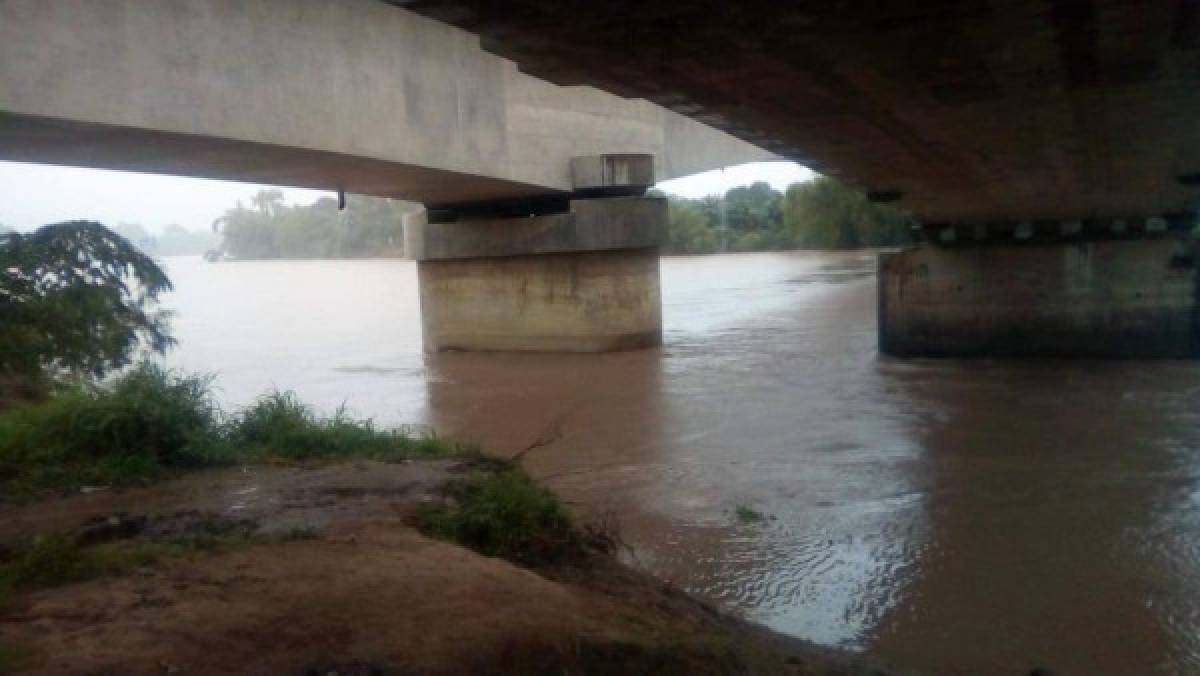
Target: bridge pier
(583, 280)
(1131, 294)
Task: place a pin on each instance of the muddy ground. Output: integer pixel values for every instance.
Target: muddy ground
(362, 592)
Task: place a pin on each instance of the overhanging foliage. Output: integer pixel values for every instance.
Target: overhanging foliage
(77, 299)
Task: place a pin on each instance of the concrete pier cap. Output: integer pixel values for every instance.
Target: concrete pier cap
(620, 171)
(590, 225)
(1075, 295)
(586, 280)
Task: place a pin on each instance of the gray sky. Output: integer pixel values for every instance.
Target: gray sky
(32, 195)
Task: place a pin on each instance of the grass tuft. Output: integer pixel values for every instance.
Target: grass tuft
(504, 514)
(55, 560)
(60, 559)
(746, 514)
(16, 658)
(126, 431)
(279, 425)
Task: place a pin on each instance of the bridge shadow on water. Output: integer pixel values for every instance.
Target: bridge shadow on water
(1061, 504)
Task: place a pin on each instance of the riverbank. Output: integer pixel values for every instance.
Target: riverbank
(324, 568)
(768, 393)
(144, 531)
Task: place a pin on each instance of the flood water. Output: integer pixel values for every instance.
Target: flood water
(962, 517)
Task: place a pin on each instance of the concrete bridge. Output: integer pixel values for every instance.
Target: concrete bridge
(1051, 147)
(359, 96)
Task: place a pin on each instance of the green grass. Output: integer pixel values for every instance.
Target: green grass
(278, 425)
(504, 514)
(746, 514)
(15, 658)
(126, 431)
(150, 423)
(56, 560)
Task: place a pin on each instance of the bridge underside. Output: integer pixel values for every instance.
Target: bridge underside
(1051, 148)
(1010, 128)
(350, 95)
(967, 111)
(26, 138)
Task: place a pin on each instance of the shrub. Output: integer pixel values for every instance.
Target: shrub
(123, 431)
(747, 514)
(279, 425)
(62, 558)
(150, 422)
(504, 514)
(77, 299)
(17, 658)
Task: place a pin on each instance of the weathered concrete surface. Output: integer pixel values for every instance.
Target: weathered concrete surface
(333, 94)
(1098, 299)
(582, 281)
(591, 225)
(567, 302)
(612, 171)
(972, 110)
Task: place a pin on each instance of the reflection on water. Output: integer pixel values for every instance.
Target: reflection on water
(966, 517)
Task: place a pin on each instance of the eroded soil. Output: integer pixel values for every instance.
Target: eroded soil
(362, 593)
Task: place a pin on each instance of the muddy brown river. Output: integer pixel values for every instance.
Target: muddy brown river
(961, 517)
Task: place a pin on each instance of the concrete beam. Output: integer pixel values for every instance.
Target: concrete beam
(590, 225)
(1043, 231)
(602, 172)
(350, 95)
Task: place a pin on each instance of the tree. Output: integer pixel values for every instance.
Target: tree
(176, 240)
(136, 234)
(268, 202)
(753, 208)
(689, 231)
(826, 214)
(368, 226)
(246, 233)
(374, 226)
(77, 299)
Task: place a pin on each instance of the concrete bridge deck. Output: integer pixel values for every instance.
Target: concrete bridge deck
(350, 95)
(1068, 129)
(966, 111)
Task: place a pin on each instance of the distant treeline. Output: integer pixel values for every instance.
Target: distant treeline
(818, 214)
(174, 240)
(268, 228)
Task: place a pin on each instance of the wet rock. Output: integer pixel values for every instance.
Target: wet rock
(118, 526)
(190, 523)
(182, 524)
